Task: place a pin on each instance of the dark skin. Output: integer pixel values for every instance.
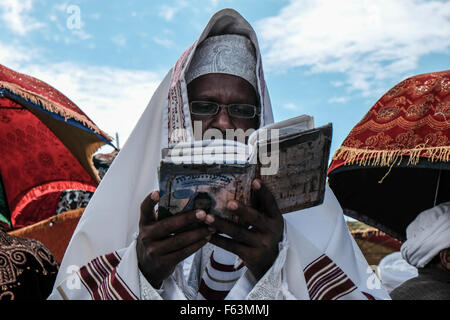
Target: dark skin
(223, 89)
(160, 247)
(444, 257)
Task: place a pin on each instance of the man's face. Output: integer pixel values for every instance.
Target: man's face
(223, 89)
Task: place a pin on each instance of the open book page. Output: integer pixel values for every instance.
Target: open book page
(291, 158)
(208, 152)
(285, 127)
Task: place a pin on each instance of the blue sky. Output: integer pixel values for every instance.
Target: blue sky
(329, 59)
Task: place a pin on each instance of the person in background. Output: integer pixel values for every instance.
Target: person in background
(427, 248)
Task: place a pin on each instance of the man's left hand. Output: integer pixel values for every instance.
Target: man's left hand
(255, 239)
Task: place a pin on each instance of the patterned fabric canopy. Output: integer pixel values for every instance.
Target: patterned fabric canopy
(411, 119)
(395, 162)
(46, 146)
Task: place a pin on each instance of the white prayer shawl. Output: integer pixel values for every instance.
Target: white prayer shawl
(318, 258)
(393, 270)
(427, 235)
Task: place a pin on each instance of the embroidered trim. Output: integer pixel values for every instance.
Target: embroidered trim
(42, 190)
(177, 127)
(365, 157)
(8, 295)
(402, 123)
(50, 105)
(147, 291)
(13, 257)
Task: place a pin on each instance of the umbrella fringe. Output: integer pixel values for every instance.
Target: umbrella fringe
(388, 158)
(89, 153)
(50, 106)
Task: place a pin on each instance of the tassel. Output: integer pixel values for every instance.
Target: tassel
(50, 105)
(388, 158)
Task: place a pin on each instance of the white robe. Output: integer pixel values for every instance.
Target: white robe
(318, 258)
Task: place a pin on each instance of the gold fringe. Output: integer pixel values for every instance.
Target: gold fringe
(49, 105)
(388, 158)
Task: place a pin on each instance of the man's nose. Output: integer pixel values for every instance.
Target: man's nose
(222, 120)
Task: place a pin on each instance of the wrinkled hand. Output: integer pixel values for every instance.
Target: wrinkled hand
(159, 247)
(256, 246)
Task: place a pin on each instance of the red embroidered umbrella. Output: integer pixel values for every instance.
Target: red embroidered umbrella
(395, 163)
(46, 146)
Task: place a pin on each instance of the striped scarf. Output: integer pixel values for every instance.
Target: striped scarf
(220, 275)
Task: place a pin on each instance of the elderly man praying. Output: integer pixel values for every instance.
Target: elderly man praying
(125, 252)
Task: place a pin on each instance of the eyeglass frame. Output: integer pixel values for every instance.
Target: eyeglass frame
(256, 110)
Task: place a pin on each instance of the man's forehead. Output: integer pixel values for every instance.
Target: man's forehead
(224, 87)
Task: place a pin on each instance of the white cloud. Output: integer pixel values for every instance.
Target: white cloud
(291, 106)
(114, 98)
(168, 12)
(95, 16)
(13, 55)
(337, 83)
(81, 34)
(214, 3)
(15, 16)
(338, 100)
(368, 41)
(165, 42)
(119, 40)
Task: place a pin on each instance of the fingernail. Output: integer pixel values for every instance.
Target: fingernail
(209, 219)
(256, 184)
(155, 196)
(200, 214)
(232, 205)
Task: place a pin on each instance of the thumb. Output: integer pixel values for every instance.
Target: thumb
(148, 209)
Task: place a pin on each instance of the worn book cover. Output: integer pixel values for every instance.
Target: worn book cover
(186, 187)
(298, 182)
(303, 162)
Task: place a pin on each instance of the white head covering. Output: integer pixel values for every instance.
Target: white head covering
(427, 235)
(229, 53)
(393, 270)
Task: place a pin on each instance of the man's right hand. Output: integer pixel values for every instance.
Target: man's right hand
(159, 247)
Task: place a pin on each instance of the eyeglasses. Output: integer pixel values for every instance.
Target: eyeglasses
(237, 110)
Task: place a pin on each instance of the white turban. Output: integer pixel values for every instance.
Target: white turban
(229, 53)
(427, 235)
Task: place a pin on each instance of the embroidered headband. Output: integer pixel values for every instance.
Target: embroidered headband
(230, 53)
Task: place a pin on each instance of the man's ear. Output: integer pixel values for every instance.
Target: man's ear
(445, 258)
